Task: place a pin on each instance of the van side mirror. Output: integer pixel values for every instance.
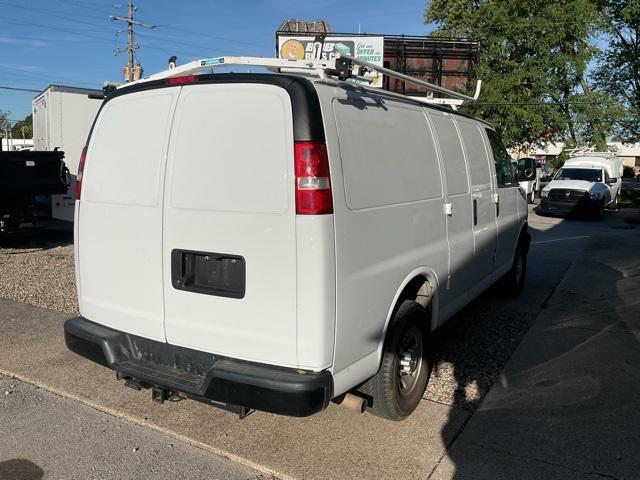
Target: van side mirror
(612, 181)
(526, 174)
(526, 169)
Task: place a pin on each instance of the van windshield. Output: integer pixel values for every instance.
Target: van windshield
(586, 174)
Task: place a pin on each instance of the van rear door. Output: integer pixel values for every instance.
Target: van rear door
(119, 220)
(229, 243)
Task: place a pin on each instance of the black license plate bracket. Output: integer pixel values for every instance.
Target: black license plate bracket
(208, 273)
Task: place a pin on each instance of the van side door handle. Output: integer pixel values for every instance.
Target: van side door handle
(475, 212)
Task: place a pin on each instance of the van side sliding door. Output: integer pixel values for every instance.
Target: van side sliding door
(507, 207)
(483, 207)
(455, 289)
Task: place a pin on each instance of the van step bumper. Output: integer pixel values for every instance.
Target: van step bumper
(200, 375)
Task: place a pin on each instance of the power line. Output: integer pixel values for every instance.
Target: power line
(545, 104)
(19, 89)
(51, 13)
(58, 29)
(85, 6)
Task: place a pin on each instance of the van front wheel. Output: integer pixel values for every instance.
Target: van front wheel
(397, 388)
(513, 281)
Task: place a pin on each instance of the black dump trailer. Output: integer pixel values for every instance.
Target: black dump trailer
(25, 175)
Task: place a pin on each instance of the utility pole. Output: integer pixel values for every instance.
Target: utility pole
(131, 45)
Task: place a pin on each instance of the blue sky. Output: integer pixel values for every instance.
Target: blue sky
(71, 42)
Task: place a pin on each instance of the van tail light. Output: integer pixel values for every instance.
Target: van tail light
(183, 80)
(313, 185)
(83, 159)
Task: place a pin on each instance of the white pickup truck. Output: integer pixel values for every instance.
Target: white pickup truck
(587, 183)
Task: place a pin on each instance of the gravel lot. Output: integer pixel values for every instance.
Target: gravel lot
(469, 352)
(39, 270)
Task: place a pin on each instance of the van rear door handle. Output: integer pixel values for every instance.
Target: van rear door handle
(475, 212)
(448, 208)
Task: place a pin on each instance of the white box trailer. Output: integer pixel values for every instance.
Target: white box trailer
(62, 118)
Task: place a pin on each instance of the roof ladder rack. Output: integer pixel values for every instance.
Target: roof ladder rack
(316, 67)
(462, 98)
(340, 67)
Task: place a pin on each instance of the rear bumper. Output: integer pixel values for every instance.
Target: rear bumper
(201, 375)
(583, 206)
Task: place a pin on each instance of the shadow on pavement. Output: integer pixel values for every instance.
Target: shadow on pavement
(566, 406)
(20, 469)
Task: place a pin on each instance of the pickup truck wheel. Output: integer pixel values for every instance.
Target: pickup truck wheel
(513, 281)
(598, 213)
(397, 388)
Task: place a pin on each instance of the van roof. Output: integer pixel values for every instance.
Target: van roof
(300, 87)
(396, 96)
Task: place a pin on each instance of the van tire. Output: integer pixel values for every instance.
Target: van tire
(394, 395)
(513, 281)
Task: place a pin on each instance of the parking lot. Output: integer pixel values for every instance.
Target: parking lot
(470, 355)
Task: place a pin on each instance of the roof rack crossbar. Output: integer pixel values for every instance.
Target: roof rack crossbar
(407, 78)
(322, 68)
(310, 66)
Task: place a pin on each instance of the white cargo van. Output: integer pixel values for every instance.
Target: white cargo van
(282, 240)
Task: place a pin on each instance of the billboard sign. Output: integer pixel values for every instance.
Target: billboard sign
(369, 49)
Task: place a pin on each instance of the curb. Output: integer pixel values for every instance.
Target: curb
(152, 426)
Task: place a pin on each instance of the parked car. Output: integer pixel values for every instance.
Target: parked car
(530, 168)
(280, 240)
(585, 184)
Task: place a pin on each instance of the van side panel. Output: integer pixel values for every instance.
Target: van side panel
(119, 225)
(316, 290)
(229, 192)
(509, 196)
(454, 291)
(482, 190)
(388, 214)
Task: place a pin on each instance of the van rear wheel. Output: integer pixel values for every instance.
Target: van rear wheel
(397, 388)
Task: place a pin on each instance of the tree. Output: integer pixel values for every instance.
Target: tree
(618, 70)
(23, 127)
(533, 58)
